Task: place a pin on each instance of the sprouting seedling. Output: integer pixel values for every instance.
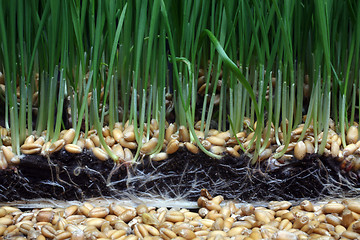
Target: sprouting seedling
(229, 63)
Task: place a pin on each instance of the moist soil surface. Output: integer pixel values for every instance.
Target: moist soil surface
(65, 176)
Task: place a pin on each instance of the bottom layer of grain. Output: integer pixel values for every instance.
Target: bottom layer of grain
(279, 220)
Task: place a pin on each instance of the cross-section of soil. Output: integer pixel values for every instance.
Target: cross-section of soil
(66, 176)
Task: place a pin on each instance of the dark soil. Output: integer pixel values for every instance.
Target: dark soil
(65, 176)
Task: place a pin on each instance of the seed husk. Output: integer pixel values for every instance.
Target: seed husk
(232, 142)
(25, 228)
(334, 138)
(45, 216)
(116, 209)
(192, 148)
(298, 130)
(69, 211)
(154, 125)
(77, 219)
(284, 235)
(56, 146)
(219, 234)
(3, 131)
(232, 152)
(100, 154)
(48, 231)
(3, 163)
(201, 90)
(204, 194)
(126, 144)
(184, 134)
(307, 206)
(265, 154)
(118, 125)
(73, 148)
(174, 216)
(129, 136)
(187, 234)
(347, 218)
(69, 136)
(29, 139)
(45, 148)
(174, 136)
(261, 215)
(333, 208)
(309, 147)
(117, 134)
(6, 141)
(98, 212)
(334, 149)
(246, 145)
(250, 136)
(200, 135)
(96, 222)
(119, 151)
(290, 147)
(333, 220)
(279, 205)
(354, 206)
(81, 143)
(149, 146)
(150, 219)
(216, 140)
(105, 131)
(218, 150)
(300, 221)
(152, 230)
(110, 141)
(89, 144)
(31, 148)
(350, 235)
(300, 150)
(159, 156)
(128, 155)
(128, 127)
(141, 209)
(352, 135)
(167, 233)
(128, 215)
(169, 131)
(117, 234)
(206, 144)
(8, 154)
(140, 231)
(356, 226)
(285, 224)
(224, 135)
(237, 148)
(228, 222)
(172, 146)
(96, 140)
(240, 135)
(211, 205)
(63, 235)
(10, 209)
(5, 221)
(197, 125)
(350, 149)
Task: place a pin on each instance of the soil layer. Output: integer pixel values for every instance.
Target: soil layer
(66, 176)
